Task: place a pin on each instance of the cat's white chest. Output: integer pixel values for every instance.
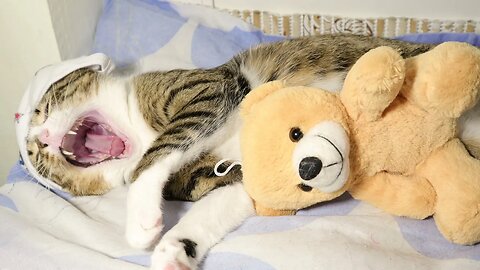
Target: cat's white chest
(229, 144)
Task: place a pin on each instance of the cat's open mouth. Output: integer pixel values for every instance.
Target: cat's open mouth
(91, 140)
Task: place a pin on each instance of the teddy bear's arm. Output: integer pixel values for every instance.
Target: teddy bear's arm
(444, 80)
(373, 83)
(410, 196)
(455, 175)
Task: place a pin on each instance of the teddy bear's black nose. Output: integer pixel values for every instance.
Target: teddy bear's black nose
(309, 168)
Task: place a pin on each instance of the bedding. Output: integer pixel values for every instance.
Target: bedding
(45, 228)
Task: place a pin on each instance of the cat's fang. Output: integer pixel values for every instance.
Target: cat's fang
(67, 153)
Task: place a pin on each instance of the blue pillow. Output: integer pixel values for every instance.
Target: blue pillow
(436, 38)
(131, 29)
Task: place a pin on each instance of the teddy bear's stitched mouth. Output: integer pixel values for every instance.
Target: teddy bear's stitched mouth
(339, 153)
(307, 188)
(312, 171)
(320, 158)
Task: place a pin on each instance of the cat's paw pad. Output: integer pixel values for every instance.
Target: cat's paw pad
(174, 266)
(173, 254)
(143, 225)
(143, 235)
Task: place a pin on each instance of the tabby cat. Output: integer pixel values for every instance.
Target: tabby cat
(91, 132)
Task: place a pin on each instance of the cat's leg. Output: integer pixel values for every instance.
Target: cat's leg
(144, 198)
(180, 143)
(197, 178)
(204, 225)
(144, 215)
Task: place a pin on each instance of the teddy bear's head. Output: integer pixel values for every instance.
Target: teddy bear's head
(309, 131)
(296, 139)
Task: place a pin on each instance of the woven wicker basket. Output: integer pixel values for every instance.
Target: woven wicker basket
(308, 24)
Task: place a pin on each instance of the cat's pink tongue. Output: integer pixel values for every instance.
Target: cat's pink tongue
(107, 144)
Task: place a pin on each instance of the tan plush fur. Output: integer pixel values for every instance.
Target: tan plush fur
(266, 154)
(400, 116)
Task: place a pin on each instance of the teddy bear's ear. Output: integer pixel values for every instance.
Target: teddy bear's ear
(258, 94)
(373, 83)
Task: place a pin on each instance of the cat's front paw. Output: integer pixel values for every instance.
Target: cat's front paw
(142, 233)
(175, 254)
(144, 220)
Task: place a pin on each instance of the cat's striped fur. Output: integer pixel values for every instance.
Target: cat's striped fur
(193, 181)
(197, 178)
(186, 105)
(183, 122)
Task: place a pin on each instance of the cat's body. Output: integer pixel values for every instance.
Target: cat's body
(155, 124)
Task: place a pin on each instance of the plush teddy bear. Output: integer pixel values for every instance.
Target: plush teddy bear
(388, 138)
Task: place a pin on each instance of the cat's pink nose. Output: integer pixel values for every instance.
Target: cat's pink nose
(51, 139)
(44, 136)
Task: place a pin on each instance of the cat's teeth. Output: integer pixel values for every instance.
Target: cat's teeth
(65, 152)
(71, 132)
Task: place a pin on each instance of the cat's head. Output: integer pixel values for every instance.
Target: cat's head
(75, 134)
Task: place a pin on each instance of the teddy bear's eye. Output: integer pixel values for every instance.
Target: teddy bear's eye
(295, 134)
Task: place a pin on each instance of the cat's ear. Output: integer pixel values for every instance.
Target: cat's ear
(258, 94)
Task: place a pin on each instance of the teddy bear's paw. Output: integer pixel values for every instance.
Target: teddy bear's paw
(435, 89)
(424, 199)
(174, 254)
(425, 208)
(459, 223)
